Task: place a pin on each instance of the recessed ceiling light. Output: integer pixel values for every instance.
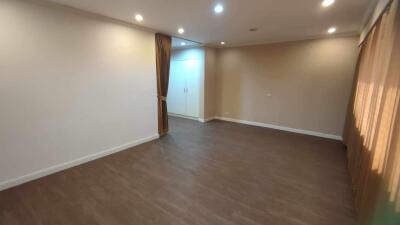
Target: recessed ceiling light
(181, 30)
(332, 30)
(327, 3)
(222, 42)
(218, 8)
(139, 18)
(183, 43)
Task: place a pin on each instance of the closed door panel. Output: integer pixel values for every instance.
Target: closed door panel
(192, 72)
(176, 99)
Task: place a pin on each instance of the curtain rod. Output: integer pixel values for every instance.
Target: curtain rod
(385, 10)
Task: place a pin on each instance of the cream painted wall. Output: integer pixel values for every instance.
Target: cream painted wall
(71, 86)
(210, 83)
(303, 85)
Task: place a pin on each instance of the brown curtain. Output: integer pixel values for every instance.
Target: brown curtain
(163, 55)
(372, 132)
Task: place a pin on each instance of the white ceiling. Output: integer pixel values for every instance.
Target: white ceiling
(276, 20)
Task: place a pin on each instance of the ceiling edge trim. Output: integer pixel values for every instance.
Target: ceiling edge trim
(92, 15)
(348, 34)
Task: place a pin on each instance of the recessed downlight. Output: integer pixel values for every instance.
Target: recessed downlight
(327, 3)
(181, 30)
(218, 8)
(183, 43)
(331, 30)
(222, 42)
(138, 17)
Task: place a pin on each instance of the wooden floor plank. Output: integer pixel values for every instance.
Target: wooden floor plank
(218, 173)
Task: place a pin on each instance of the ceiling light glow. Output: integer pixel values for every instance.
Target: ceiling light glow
(183, 43)
(139, 18)
(327, 3)
(332, 30)
(181, 30)
(222, 42)
(218, 8)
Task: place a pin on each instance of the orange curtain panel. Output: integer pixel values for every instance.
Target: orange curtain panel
(163, 56)
(372, 132)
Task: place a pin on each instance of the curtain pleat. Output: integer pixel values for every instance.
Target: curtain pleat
(372, 126)
(163, 56)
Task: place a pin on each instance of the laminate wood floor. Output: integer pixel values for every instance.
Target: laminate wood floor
(218, 173)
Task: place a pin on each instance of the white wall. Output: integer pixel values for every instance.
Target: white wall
(71, 87)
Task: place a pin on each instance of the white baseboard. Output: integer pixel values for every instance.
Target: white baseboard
(203, 120)
(184, 117)
(63, 166)
(206, 119)
(289, 129)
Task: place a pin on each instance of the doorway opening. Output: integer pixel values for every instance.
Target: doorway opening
(185, 80)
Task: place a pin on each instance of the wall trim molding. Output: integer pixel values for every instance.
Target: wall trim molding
(66, 165)
(184, 117)
(203, 120)
(206, 120)
(276, 127)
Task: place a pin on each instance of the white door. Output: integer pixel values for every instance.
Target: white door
(192, 72)
(176, 99)
(184, 88)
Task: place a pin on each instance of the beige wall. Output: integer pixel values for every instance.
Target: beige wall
(210, 83)
(72, 88)
(304, 85)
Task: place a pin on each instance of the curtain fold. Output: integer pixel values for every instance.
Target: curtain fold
(163, 56)
(372, 131)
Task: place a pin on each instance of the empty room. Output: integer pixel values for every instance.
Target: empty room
(200, 112)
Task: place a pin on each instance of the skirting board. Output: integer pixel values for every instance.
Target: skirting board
(192, 118)
(63, 166)
(184, 117)
(206, 120)
(289, 129)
